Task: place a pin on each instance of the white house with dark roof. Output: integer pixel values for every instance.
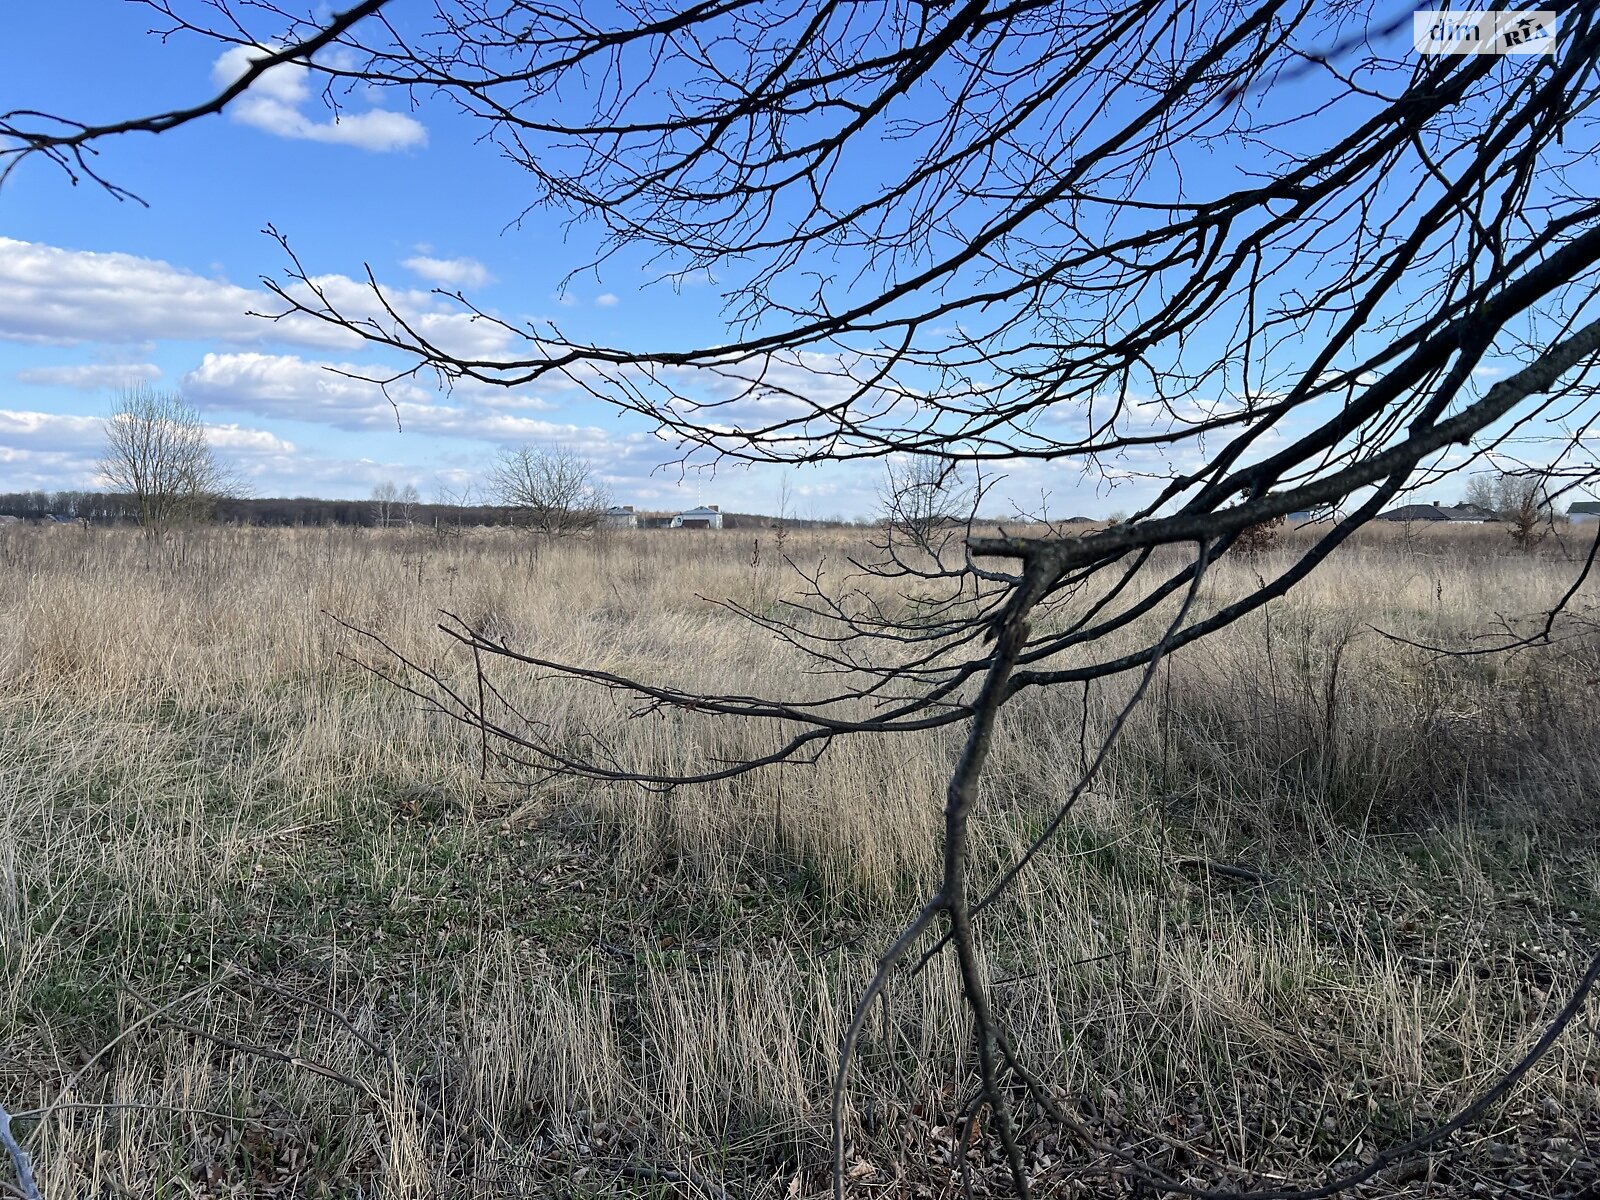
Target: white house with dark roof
(703, 516)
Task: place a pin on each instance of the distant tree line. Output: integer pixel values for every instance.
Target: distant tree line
(92, 506)
(113, 508)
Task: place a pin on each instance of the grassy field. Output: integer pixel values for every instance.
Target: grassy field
(265, 933)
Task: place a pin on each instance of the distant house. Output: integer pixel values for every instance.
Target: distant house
(1469, 514)
(1305, 516)
(705, 516)
(620, 516)
(1584, 511)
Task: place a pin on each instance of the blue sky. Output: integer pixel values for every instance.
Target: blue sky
(96, 293)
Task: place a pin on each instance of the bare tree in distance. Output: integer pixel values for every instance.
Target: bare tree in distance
(463, 494)
(1523, 498)
(409, 499)
(1519, 496)
(392, 505)
(385, 498)
(1481, 492)
(925, 499)
(157, 452)
(552, 485)
(1252, 252)
(455, 498)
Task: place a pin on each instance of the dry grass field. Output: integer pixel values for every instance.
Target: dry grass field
(265, 933)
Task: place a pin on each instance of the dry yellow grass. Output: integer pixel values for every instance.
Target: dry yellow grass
(229, 847)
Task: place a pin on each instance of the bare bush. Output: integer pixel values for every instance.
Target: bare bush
(552, 485)
(1260, 537)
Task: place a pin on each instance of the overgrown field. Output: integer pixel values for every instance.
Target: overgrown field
(265, 933)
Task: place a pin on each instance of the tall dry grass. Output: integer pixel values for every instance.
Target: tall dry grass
(234, 852)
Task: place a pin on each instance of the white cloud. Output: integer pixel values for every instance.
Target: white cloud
(450, 272)
(292, 388)
(51, 295)
(286, 386)
(237, 440)
(753, 394)
(44, 470)
(442, 322)
(275, 101)
(50, 432)
(75, 433)
(605, 300)
(307, 474)
(51, 451)
(91, 376)
(524, 396)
